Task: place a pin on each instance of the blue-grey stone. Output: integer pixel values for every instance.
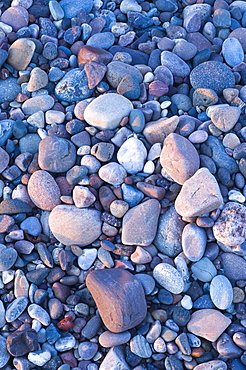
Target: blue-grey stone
(194, 240)
(71, 9)
(73, 86)
(29, 143)
(203, 302)
(3, 57)
(227, 348)
(32, 225)
(8, 257)
(6, 128)
(131, 195)
(52, 334)
(87, 350)
(139, 20)
(222, 18)
(9, 89)
(204, 270)
(232, 51)
(102, 40)
(175, 64)
(16, 308)
(221, 292)
(203, 10)
(137, 120)
(4, 354)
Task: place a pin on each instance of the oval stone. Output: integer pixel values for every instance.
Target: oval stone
(132, 155)
(43, 190)
(119, 297)
(221, 292)
(169, 278)
(21, 53)
(194, 240)
(232, 51)
(72, 225)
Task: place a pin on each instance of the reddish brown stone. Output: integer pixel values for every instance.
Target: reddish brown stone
(91, 53)
(66, 323)
(158, 88)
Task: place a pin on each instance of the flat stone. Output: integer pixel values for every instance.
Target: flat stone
(38, 103)
(103, 40)
(39, 358)
(116, 71)
(168, 236)
(202, 324)
(239, 33)
(99, 112)
(140, 347)
(175, 64)
(234, 266)
(147, 214)
(38, 79)
(132, 155)
(93, 54)
(108, 339)
(208, 75)
(212, 365)
(179, 158)
(16, 17)
(229, 228)
(87, 350)
(220, 284)
(194, 241)
(65, 343)
(8, 256)
(71, 10)
(16, 308)
(232, 51)
(204, 270)
(86, 259)
(225, 118)
(4, 355)
(205, 97)
(94, 72)
(9, 89)
(113, 173)
(14, 206)
(4, 159)
(73, 86)
(203, 10)
(114, 359)
(21, 342)
(83, 197)
(200, 194)
(119, 297)
(39, 313)
(169, 278)
(43, 190)
(71, 225)
(56, 154)
(157, 131)
(21, 53)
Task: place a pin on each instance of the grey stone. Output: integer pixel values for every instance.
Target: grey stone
(140, 223)
(71, 10)
(65, 343)
(157, 131)
(39, 313)
(114, 359)
(108, 339)
(113, 173)
(132, 155)
(232, 51)
(194, 241)
(6, 129)
(37, 103)
(225, 118)
(234, 266)
(140, 347)
(8, 256)
(175, 64)
(9, 89)
(16, 308)
(102, 40)
(221, 292)
(169, 278)
(204, 270)
(117, 70)
(4, 354)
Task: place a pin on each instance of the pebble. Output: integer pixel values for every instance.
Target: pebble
(87, 350)
(157, 131)
(175, 64)
(6, 127)
(233, 266)
(108, 339)
(229, 228)
(140, 347)
(8, 257)
(70, 224)
(169, 278)
(113, 173)
(38, 80)
(146, 213)
(38, 313)
(194, 241)
(121, 311)
(39, 358)
(16, 17)
(4, 159)
(37, 103)
(186, 161)
(21, 342)
(9, 90)
(147, 281)
(189, 201)
(101, 40)
(21, 53)
(98, 112)
(213, 365)
(65, 343)
(204, 269)
(220, 284)
(117, 70)
(202, 324)
(232, 51)
(4, 355)
(132, 155)
(225, 118)
(114, 359)
(227, 348)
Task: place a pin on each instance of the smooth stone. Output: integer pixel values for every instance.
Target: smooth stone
(21, 53)
(99, 112)
(225, 118)
(114, 359)
(102, 40)
(168, 235)
(8, 256)
(169, 278)
(157, 131)
(140, 347)
(4, 354)
(83, 197)
(56, 154)
(4, 159)
(113, 173)
(6, 129)
(137, 120)
(202, 324)
(21, 342)
(208, 75)
(132, 155)
(182, 102)
(175, 64)
(240, 339)
(200, 194)
(31, 225)
(131, 195)
(212, 365)
(39, 358)
(118, 70)
(38, 313)
(14, 206)
(179, 158)
(37, 103)
(43, 190)
(129, 87)
(89, 54)
(229, 228)
(119, 297)
(184, 49)
(204, 97)
(16, 17)
(221, 292)
(147, 281)
(232, 51)
(234, 266)
(146, 214)
(56, 10)
(9, 89)
(38, 79)
(127, 5)
(95, 72)
(70, 225)
(73, 86)
(108, 339)
(194, 241)
(65, 343)
(203, 10)
(239, 33)
(198, 137)
(36, 119)
(87, 350)
(16, 308)
(71, 10)
(227, 348)
(204, 270)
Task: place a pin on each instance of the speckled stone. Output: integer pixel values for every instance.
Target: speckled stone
(202, 324)
(168, 277)
(194, 241)
(119, 297)
(177, 66)
(221, 292)
(9, 89)
(225, 118)
(71, 225)
(234, 266)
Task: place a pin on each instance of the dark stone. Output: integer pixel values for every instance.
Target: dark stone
(181, 316)
(234, 266)
(22, 342)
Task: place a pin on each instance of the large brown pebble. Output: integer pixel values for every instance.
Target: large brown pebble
(208, 323)
(71, 225)
(200, 194)
(119, 297)
(157, 131)
(179, 158)
(21, 342)
(92, 53)
(43, 190)
(20, 54)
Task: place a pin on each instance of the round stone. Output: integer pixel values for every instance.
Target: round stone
(21, 53)
(43, 190)
(132, 155)
(113, 173)
(212, 75)
(204, 270)
(38, 79)
(225, 118)
(194, 241)
(99, 112)
(221, 292)
(87, 350)
(71, 225)
(232, 51)
(169, 278)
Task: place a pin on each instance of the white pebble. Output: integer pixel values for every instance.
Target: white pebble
(149, 77)
(149, 167)
(164, 113)
(39, 358)
(165, 104)
(186, 302)
(235, 195)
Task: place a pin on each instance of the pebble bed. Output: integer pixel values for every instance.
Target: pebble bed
(122, 185)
